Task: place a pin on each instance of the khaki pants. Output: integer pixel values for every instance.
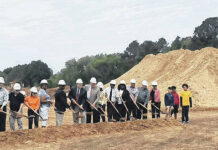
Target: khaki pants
(59, 118)
(13, 117)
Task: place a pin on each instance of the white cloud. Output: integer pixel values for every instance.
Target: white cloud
(56, 30)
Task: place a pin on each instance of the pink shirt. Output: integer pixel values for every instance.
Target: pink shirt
(156, 96)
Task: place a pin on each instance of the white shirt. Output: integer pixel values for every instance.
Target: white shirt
(115, 94)
(3, 97)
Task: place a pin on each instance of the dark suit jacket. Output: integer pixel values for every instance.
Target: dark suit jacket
(82, 96)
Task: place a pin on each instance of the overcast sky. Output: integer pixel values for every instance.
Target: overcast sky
(58, 30)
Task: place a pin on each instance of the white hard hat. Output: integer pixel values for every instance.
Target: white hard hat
(113, 82)
(23, 92)
(154, 83)
(2, 80)
(145, 83)
(79, 81)
(122, 82)
(100, 85)
(34, 90)
(17, 87)
(132, 81)
(61, 82)
(44, 81)
(93, 80)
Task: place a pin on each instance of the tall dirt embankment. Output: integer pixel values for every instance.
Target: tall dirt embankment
(197, 68)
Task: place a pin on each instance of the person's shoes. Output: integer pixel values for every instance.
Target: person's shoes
(187, 122)
(183, 122)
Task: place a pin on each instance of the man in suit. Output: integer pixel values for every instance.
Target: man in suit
(78, 96)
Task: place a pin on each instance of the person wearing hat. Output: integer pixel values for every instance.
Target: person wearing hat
(3, 104)
(16, 101)
(102, 101)
(142, 99)
(60, 102)
(155, 100)
(93, 97)
(112, 95)
(133, 91)
(124, 97)
(33, 104)
(45, 102)
(78, 95)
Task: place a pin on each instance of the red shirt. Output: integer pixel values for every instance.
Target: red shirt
(176, 98)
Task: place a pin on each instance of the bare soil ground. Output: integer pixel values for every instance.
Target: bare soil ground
(201, 133)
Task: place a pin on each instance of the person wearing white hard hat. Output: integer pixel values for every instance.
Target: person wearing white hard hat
(155, 100)
(112, 95)
(93, 97)
(78, 96)
(45, 102)
(3, 104)
(124, 97)
(142, 100)
(33, 104)
(102, 101)
(60, 102)
(16, 101)
(133, 95)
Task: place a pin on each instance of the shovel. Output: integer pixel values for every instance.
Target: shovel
(158, 108)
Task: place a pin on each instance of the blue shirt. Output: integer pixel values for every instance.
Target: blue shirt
(42, 92)
(169, 99)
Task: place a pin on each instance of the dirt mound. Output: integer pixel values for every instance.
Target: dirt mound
(197, 68)
(52, 133)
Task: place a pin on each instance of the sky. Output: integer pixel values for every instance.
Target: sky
(55, 31)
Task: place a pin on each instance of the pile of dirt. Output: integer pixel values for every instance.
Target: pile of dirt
(197, 68)
(52, 133)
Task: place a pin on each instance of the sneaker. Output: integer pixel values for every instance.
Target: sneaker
(183, 122)
(187, 122)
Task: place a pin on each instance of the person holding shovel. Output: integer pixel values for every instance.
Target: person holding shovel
(102, 101)
(45, 102)
(91, 104)
(132, 106)
(33, 104)
(60, 102)
(142, 100)
(16, 101)
(78, 96)
(112, 95)
(3, 105)
(155, 100)
(124, 97)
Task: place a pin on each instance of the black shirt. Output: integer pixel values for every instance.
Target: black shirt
(61, 101)
(15, 101)
(152, 96)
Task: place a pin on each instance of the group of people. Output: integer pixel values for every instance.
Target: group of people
(90, 102)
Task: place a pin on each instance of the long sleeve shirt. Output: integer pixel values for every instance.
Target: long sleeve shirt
(93, 94)
(4, 96)
(143, 95)
(169, 99)
(113, 95)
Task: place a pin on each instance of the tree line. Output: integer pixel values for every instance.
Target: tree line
(110, 66)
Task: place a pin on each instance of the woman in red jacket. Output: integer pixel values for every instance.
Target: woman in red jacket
(176, 102)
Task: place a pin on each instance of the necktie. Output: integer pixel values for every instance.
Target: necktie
(110, 94)
(77, 95)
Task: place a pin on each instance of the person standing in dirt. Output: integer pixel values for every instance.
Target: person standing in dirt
(78, 96)
(185, 102)
(155, 100)
(176, 102)
(60, 102)
(169, 102)
(112, 95)
(16, 101)
(33, 104)
(45, 101)
(124, 97)
(93, 97)
(133, 95)
(142, 100)
(102, 101)
(3, 105)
